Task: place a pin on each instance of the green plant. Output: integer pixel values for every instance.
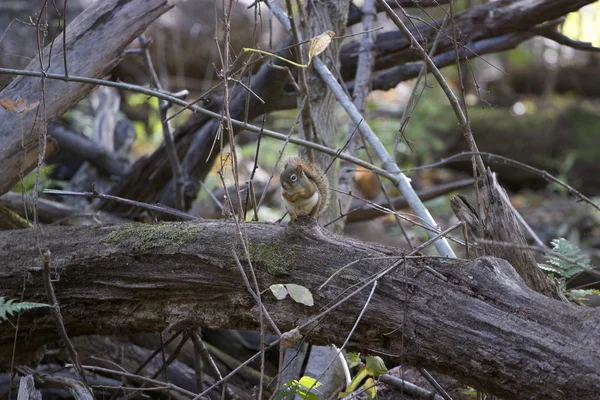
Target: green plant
(8, 308)
(303, 388)
(374, 366)
(565, 261)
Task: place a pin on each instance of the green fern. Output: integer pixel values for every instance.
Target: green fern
(8, 308)
(576, 263)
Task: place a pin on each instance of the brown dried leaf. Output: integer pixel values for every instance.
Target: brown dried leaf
(319, 43)
(20, 106)
(8, 105)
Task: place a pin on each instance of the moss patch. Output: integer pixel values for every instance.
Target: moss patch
(274, 255)
(146, 236)
(10, 220)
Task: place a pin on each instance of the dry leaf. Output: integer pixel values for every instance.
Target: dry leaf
(300, 294)
(20, 106)
(318, 44)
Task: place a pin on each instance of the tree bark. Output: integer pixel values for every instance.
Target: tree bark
(473, 320)
(94, 45)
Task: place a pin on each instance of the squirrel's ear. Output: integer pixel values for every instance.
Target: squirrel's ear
(299, 167)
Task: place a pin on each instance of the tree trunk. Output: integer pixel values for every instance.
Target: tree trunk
(473, 320)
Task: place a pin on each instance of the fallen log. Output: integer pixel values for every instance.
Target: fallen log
(473, 320)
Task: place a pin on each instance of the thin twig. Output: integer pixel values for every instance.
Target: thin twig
(434, 383)
(403, 216)
(65, 39)
(171, 358)
(262, 312)
(408, 388)
(341, 349)
(495, 158)
(388, 199)
(153, 207)
(362, 87)
(388, 162)
(143, 379)
(198, 363)
(166, 127)
(169, 97)
(14, 347)
(412, 99)
(141, 367)
(462, 118)
(251, 194)
(199, 344)
(543, 250)
(58, 320)
(255, 295)
(211, 195)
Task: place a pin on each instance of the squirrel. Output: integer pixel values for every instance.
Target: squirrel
(305, 188)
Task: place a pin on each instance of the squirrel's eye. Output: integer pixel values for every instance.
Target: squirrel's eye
(293, 178)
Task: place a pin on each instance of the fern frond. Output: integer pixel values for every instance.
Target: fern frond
(9, 307)
(572, 261)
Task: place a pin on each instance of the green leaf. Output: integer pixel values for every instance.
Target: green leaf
(370, 388)
(356, 380)
(8, 308)
(568, 250)
(353, 359)
(293, 384)
(375, 366)
(309, 382)
(307, 395)
(285, 393)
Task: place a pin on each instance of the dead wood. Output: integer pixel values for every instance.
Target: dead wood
(11, 220)
(95, 43)
(27, 389)
(54, 212)
(500, 228)
(474, 24)
(480, 324)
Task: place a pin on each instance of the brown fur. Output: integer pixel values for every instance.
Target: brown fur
(298, 194)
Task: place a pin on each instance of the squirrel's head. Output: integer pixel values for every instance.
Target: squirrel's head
(293, 176)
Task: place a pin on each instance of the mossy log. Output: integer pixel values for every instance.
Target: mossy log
(474, 320)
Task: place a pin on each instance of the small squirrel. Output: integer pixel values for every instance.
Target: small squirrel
(305, 188)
